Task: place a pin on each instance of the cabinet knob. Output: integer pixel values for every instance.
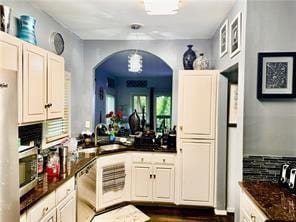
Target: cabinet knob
(154, 176)
(181, 127)
(253, 218)
(163, 160)
(50, 105)
(68, 190)
(44, 211)
(142, 159)
(150, 176)
(181, 150)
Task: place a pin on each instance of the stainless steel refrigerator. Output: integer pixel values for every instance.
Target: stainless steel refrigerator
(9, 169)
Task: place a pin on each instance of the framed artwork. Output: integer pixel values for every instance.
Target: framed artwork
(235, 35)
(224, 39)
(233, 105)
(276, 75)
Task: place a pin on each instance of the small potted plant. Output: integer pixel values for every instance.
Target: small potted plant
(114, 126)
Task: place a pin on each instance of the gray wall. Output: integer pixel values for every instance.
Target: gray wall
(270, 127)
(235, 135)
(170, 51)
(73, 53)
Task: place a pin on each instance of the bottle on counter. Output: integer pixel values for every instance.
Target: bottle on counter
(53, 163)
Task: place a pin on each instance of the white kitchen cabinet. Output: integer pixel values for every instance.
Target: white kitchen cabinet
(23, 217)
(197, 161)
(153, 177)
(41, 209)
(55, 86)
(197, 104)
(41, 86)
(142, 182)
(163, 183)
(66, 210)
(34, 83)
(249, 212)
(50, 217)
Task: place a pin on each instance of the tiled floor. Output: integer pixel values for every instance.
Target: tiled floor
(166, 214)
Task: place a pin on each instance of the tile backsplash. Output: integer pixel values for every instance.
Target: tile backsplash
(264, 168)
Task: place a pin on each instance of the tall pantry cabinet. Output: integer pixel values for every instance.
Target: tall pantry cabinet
(201, 141)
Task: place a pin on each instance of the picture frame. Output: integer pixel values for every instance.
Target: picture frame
(235, 35)
(233, 105)
(276, 75)
(223, 39)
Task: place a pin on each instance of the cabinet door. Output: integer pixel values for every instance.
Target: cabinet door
(34, 83)
(197, 104)
(163, 183)
(142, 182)
(66, 210)
(50, 217)
(55, 86)
(197, 172)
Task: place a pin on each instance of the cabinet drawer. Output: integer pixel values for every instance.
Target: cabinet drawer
(142, 158)
(63, 191)
(41, 209)
(164, 159)
(250, 209)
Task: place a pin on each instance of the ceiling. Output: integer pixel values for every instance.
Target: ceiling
(152, 65)
(110, 19)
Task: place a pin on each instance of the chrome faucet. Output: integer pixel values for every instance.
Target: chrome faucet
(99, 126)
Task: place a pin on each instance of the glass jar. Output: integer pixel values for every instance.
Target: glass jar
(53, 163)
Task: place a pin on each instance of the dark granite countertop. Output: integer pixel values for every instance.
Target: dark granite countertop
(48, 184)
(275, 201)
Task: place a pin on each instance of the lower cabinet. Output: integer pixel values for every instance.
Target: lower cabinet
(50, 217)
(153, 180)
(249, 212)
(142, 182)
(66, 210)
(197, 172)
(58, 206)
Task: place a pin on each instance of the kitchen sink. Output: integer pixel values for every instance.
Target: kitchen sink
(111, 147)
(88, 150)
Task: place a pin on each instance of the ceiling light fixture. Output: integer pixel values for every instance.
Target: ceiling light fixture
(162, 7)
(135, 60)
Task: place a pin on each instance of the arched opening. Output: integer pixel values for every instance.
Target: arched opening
(148, 92)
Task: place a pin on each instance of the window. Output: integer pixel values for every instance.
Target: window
(110, 105)
(163, 113)
(57, 129)
(138, 103)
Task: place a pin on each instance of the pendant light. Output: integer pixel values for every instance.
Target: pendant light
(135, 60)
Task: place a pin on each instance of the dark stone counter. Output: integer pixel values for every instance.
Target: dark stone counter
(275, 201)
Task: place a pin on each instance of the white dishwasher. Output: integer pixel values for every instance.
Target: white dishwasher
(86, 192)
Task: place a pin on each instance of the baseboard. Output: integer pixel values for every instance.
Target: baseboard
(220, 212)
(230, 210)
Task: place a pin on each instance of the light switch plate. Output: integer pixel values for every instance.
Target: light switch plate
(87, 124)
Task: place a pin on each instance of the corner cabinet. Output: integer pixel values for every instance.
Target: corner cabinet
(153, 177)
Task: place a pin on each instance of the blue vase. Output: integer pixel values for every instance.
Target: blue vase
(27, 29)
(188, 58)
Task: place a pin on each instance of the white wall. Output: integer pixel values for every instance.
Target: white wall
(235, 135)
(270, 126)
(170, 51)
(73, 53)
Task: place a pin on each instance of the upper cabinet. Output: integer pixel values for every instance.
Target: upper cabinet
(55, 84)
(197, 104)
(42, 85)
(34, 85)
